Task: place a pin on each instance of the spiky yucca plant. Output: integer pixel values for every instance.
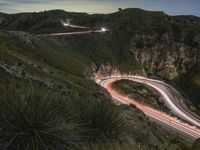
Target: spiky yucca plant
(32, 120)
(102, 121)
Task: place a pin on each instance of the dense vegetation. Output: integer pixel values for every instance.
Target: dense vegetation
(190, 84)
(73, 106)
(35, 119)
(63, 109)
(128, 22)
(140, 93)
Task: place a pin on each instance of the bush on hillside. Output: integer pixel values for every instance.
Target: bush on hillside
(35, 121)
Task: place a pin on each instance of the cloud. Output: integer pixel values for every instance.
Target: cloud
(24, 1)
(4, 4)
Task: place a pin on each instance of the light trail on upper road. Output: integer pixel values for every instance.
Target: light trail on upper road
(172, 98)
(69, 25)
(153, 113)
(75, 33)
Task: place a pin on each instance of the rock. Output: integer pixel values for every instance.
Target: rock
(1, 20)
(164, 56)
(24, 37)
(16, 69)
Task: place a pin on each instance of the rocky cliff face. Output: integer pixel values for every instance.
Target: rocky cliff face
(95, 72)
(159, 55)
(164, 56)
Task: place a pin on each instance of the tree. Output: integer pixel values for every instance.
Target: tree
(120, 9)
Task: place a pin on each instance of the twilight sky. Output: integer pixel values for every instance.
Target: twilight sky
(171, 7)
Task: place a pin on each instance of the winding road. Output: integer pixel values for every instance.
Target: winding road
(69, 25)
(173, 100)
(75, 33)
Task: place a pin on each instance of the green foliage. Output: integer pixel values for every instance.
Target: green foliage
(114, 146)
(102, 120)
(37, 119)
(140, 93)
(190, 84)
(33, 120)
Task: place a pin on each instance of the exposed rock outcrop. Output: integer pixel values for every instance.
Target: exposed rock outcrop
(163, 56)
(20, 71)
(1, 20)
(95, 72)
(23, 36)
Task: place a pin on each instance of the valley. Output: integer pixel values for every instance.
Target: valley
(38, 51)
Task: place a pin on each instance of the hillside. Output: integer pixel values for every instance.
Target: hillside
(138, 42)
(154, 38)
(26, 58)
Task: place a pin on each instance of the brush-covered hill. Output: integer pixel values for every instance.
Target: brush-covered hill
(162, 45)
(27, 62)
(138, 41)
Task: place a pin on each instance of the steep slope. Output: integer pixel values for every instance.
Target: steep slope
(163, 56)
(164, 45)
(25, 57)
(28, 57)
(190, 84)
(138, 42)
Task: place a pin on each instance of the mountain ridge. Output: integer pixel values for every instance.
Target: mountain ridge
(66, 64)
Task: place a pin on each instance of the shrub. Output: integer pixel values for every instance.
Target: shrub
(34, 120)
(101, 120)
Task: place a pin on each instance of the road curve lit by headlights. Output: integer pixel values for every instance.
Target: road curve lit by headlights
(151, 112)
(75, 33)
